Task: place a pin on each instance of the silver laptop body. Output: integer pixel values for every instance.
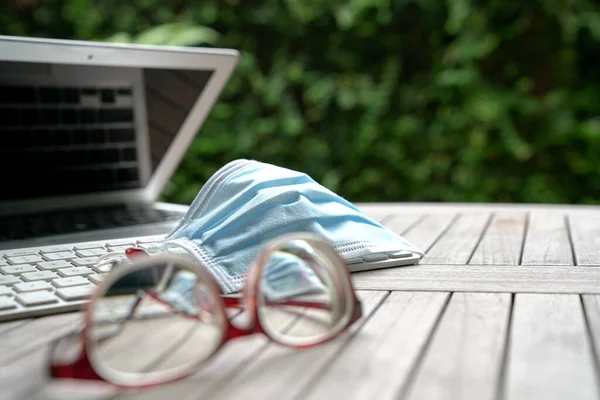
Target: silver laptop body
(92, 132)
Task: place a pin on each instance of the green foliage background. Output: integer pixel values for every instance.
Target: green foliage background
(380, 100)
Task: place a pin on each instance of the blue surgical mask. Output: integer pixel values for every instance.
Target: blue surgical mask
(247, 203)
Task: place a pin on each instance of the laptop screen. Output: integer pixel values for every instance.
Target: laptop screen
(74, 129)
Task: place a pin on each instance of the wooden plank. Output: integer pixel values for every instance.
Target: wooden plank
(37, 333)
(547, 241)
(9, 326)
(427, 231)
(482, 278)
(502, 242)
(591, 305)
(464, 359)
(377, 215)
(75, 391)
(383, 209)
(281, 372)
(401, 223)
(378, 361)
(585, 232)
(446, 207)
(456, 246)
(18, 380)
(549, 353)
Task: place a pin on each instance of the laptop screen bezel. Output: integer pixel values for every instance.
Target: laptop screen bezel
(221, 62)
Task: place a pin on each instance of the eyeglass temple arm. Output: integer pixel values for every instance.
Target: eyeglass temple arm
(130, 314)
(138, 299)
(140, 294)
(234, 302)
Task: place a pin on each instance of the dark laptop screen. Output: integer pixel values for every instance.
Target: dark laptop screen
(68, 129)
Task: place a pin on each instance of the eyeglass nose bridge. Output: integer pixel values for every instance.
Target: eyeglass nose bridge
(251, 326)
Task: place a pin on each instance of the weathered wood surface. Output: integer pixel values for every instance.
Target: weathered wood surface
(483, 278)
(465, 358)
(503, 241)
(458, 244)
(547, 241)
(504, 305)
(550, 355)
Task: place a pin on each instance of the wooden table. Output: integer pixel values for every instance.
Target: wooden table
(505, 305)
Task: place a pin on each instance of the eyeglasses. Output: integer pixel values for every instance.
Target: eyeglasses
(157, 318)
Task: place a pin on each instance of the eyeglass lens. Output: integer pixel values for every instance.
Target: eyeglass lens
(300, 299)
(151, 322)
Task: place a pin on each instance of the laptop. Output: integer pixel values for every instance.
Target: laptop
(90, 135)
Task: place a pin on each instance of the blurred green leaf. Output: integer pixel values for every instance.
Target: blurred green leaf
(121, 37)
(380, 100)
(177, 34)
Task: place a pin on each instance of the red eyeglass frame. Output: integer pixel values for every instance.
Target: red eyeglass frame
(82, 368)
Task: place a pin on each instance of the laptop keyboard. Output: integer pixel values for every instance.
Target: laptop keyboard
(52, 279)
(45, 280)
(23, 227)
(72, 139)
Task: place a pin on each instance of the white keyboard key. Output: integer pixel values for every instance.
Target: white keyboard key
(36, 298)
(9, 280)
(3, 262)
(374, 257)
(84, 262)
(52, 265)
(73, 281)
(152, 239)
(148, 246)
(5, 290)
(75, 293)
(121, 242)
(400, 254)
(20, 253)
(96, 278)
(102, 268)
(32, 286)
(55, 249)
(118, 248)
(18, 269)
(6, 303)
(39, 276)
(87, 246)
(65, 255)
(24, 259)
(354, 260)
(91, 252)
(78, 271)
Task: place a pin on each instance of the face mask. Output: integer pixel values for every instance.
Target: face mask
(247, 203)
